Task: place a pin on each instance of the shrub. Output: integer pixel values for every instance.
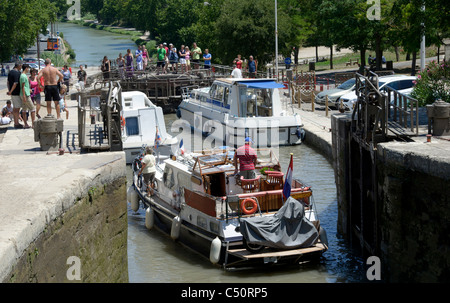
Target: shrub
(432, 84)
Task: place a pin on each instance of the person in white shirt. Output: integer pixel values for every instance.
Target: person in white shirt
(148, 169)
(236, 73)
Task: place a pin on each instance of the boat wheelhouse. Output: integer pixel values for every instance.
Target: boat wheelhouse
(232, 109)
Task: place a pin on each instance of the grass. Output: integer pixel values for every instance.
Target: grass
(339, 61)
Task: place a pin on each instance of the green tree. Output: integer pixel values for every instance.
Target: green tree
(20, 24)
(247, 27)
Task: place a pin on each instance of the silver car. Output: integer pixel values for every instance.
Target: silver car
(336, 93)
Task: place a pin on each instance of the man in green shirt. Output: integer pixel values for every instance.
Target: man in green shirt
(196, 53)
(161, 53)
(25, 94)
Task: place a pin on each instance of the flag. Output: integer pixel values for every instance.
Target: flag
(288, 180)
(181, 147)
(157, 138)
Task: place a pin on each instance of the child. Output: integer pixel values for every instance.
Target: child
(62, 100)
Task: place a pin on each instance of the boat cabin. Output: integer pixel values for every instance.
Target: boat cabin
(242, 97)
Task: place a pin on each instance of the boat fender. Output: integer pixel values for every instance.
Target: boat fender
(134, 199)
(122, 122)
(176, 226)
(149, 218)
(129, 190)
(214, 253)
(253, 206)
(323, 236)
(178, 113)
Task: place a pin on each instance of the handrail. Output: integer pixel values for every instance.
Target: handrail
(400, 104)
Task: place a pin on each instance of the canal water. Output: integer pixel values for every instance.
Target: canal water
(155, 257)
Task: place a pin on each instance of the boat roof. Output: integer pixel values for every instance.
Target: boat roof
(252, 83)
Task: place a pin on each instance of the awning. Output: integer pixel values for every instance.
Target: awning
(262, 84)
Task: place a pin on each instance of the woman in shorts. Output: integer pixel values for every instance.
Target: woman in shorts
(35, 91)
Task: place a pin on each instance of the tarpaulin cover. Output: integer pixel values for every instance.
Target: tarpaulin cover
(262, 84)
(287, 229)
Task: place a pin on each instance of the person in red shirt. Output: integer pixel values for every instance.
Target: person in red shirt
(247, 160)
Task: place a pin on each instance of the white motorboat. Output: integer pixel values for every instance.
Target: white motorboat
(142, 123)
(232, 109)
(197, 200)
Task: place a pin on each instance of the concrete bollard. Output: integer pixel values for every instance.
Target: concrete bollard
(439, 118)
(47, 130)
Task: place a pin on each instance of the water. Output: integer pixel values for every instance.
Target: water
(155, 257)
(91, 45)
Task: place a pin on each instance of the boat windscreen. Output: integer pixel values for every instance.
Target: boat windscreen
(262, 84)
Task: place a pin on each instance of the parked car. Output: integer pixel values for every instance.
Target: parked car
(401, 83)
(336, 93)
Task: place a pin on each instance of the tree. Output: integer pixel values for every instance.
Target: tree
(20, 25)
(247, 27)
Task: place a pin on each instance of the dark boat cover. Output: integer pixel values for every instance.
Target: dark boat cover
(287, 229)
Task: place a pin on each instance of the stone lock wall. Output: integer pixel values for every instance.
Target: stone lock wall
(94, 230)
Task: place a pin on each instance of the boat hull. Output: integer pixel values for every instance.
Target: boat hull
(265, 132)
(233, 254)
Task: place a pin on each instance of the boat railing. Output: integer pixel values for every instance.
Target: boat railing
(186, 91)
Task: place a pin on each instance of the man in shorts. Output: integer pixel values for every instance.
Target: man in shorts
(25, 94)
(82, 77)
(161, 54)
(14, 92)
(196, 53)
(51, 88)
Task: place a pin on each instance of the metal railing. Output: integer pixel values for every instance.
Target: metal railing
(400, 108)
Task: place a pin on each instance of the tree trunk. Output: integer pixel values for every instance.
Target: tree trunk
(362, 60)
(317, 53)
(296, 55)
(331, 57)
(413, 64)
(378, 53)
(397, 54)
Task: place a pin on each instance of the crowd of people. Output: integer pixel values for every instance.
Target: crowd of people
(25, 86)
(170, 59)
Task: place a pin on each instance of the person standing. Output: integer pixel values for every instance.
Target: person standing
(51, 77)
(144, 57)
(173, 58)
(252, 66)
(82, 77)
(187, 56)
(238, 62)
(161, 54)
(148, 169)
(207, 59)
(196, 53)
(247, 160)
(25, 94)
(14, 92)
(139, 61)
(129, 63)
(67, 76)
(35, 91)
(182, 55)
(106, 68)
(121, 66)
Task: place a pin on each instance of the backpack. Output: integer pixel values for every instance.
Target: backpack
(173, 55)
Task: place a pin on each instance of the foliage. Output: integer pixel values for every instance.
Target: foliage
(20, 23)
(433, 84)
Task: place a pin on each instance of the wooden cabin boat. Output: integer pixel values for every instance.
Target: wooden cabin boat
(200, 203)
(232, 109)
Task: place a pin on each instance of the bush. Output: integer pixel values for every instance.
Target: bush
(433, 84)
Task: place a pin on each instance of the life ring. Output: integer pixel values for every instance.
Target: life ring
(249, 211)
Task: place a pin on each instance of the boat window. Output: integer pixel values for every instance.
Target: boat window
(218, 93)
(255, 102)
(201, 222)
(212, 91)
(225, 96)
(214, 227)
(168, 178)
(132, 126)
(128, 102)
(184, 180)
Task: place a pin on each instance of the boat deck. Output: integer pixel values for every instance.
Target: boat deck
(272, 255)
